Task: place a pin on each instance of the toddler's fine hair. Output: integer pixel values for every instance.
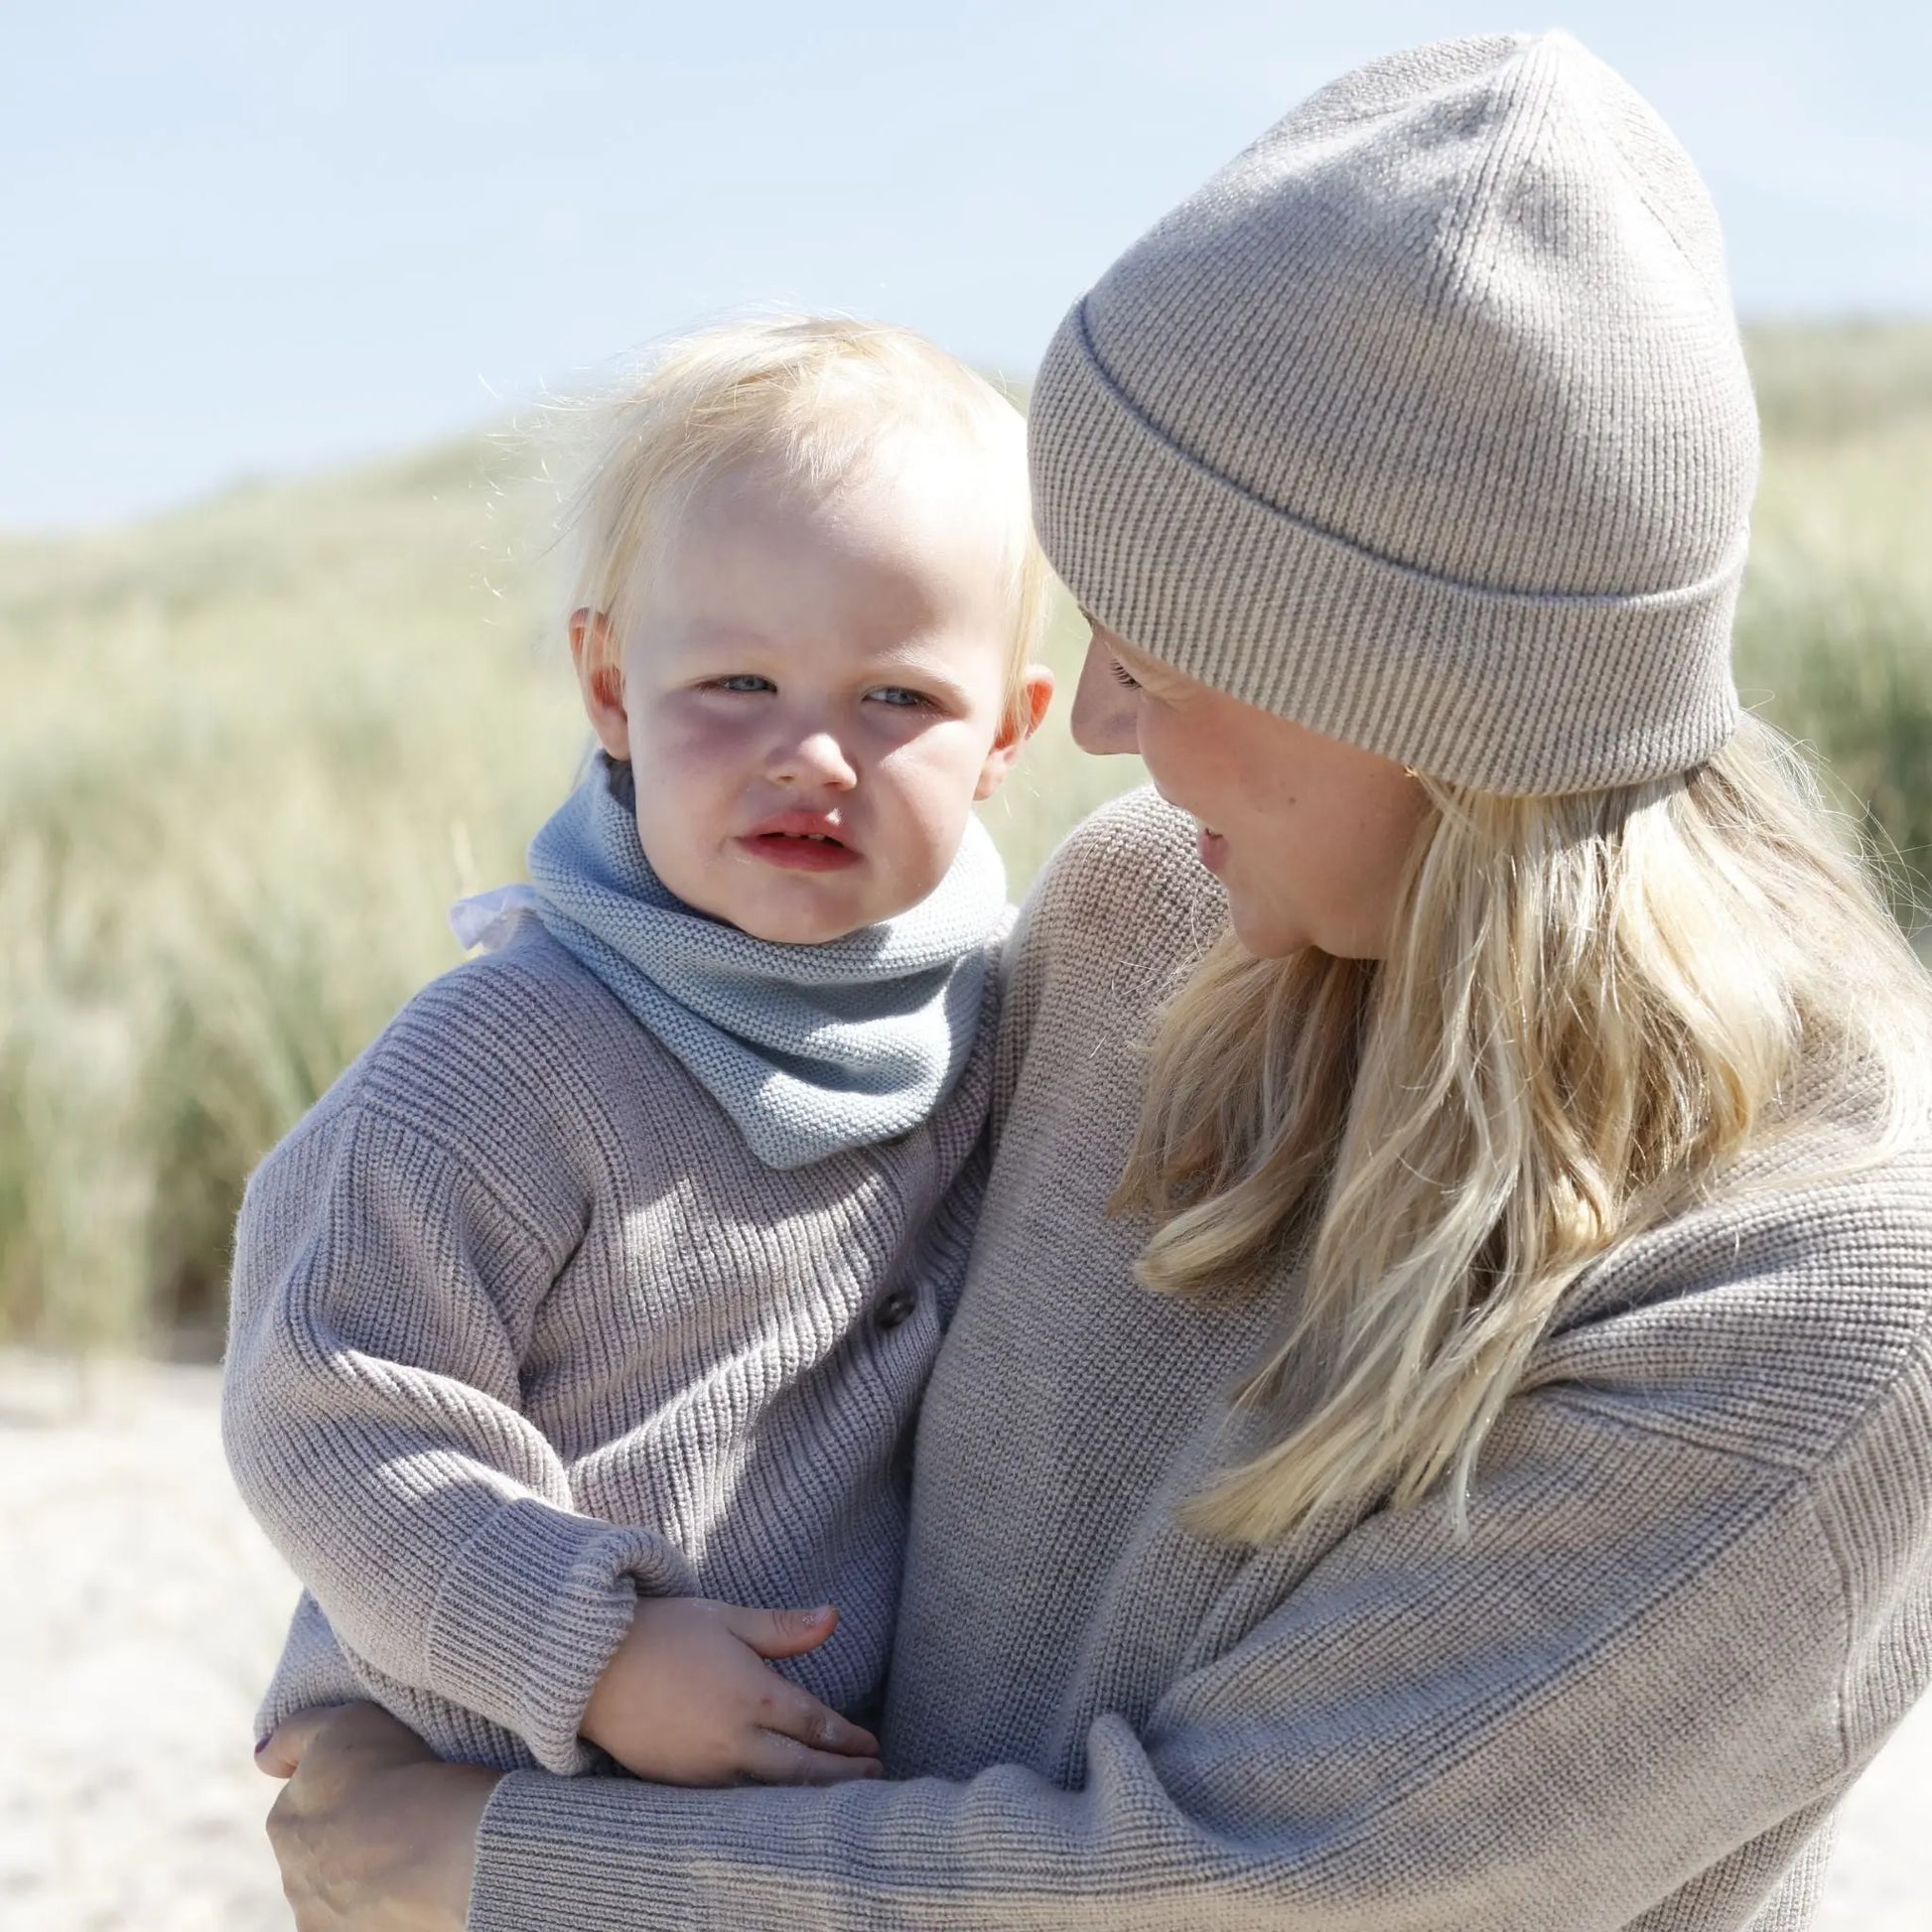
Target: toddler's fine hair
(814, 400)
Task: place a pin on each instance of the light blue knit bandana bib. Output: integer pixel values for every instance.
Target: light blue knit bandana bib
(811, 1049)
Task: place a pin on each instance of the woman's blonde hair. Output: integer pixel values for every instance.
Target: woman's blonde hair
(1594, 1005)
(814, 400)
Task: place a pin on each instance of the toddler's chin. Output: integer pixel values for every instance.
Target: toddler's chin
(790, 908)
(795, 921)
(799, 922)
(797, 932)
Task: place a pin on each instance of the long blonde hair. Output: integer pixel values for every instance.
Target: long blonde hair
(1592, 1005)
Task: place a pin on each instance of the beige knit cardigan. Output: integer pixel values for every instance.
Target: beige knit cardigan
(1696, 1595)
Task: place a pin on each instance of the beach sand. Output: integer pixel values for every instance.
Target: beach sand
(140, 1613)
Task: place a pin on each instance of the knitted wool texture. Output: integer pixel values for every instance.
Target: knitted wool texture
(1426, 424)
(520, 1328)
(811, 1049)
(1695, 1596)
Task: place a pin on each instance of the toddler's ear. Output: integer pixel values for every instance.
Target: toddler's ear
(1035, 694)
(600, 679)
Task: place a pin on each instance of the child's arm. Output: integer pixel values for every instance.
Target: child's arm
(372, 1414)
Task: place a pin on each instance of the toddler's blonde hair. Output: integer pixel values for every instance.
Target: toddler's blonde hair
(814, 399)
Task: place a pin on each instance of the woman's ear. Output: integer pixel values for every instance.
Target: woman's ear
(1022, 721)
(600, 679)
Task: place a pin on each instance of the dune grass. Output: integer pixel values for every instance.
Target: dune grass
(251, 750)
(1834, 627)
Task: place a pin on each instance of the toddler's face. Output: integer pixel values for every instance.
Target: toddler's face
(811, 698)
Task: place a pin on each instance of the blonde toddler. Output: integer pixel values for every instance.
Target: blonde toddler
(579, 1329)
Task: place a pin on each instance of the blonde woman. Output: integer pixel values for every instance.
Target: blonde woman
(1439, 1428)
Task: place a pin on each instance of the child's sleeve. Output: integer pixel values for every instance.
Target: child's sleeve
(371, 1414)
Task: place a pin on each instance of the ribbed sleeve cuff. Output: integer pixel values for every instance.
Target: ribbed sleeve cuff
(531, 1612)
(610, 1856)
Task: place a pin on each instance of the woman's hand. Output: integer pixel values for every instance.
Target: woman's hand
(374, 1832)
(689, 1699)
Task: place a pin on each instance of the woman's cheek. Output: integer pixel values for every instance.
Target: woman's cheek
(1188, 762)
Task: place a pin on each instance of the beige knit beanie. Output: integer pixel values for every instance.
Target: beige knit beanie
(1426, 424)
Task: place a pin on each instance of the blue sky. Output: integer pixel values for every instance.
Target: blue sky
(241, 241)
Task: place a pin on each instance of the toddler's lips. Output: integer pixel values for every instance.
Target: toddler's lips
(801, 851)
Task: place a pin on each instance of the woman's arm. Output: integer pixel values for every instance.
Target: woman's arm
(1651, 1651)
(1617, 1681)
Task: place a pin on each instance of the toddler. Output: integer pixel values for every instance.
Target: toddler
(594, 1301)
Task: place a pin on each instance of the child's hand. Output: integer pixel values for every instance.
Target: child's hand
(688, 1699)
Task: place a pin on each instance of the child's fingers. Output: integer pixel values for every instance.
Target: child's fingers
(774, 1759)
(782, 1633)
(796, 1714)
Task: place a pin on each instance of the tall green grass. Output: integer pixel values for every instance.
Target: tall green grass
(1834, 627)
(250, 752)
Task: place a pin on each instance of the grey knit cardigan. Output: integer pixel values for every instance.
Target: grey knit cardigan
(521, 1325)
(1696, 1595)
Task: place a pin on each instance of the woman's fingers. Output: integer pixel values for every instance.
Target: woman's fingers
(278, 1754)
(776, 1760)
(796, 1714)
(782, 1633)
(373, 1833)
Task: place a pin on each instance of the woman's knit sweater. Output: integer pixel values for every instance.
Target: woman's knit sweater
(1694, 1596)
(520, 1326)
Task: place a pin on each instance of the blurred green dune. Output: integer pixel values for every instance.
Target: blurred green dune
(250, 752)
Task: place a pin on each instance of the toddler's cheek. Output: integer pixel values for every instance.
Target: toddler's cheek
(674, 845)
(925, 844)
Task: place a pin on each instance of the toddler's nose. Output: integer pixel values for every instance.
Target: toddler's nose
(817, 758)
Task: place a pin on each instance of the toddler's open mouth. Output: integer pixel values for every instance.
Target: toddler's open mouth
(800, 842)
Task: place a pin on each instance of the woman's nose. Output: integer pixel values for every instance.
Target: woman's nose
(1105, 717)
(812, 758)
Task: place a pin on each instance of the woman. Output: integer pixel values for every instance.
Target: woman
(1502, 1500)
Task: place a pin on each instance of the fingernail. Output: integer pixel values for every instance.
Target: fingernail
(261, 1743)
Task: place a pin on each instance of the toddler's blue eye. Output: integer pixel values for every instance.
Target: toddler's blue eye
(899, 697)
(742, 681)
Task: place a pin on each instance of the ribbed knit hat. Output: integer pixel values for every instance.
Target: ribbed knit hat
(1426, 424)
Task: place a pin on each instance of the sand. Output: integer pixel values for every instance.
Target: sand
(140, 1611)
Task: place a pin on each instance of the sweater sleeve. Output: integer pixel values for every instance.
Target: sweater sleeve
(372, 1419)
(1634, 1665)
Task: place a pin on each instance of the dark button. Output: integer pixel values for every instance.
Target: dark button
(893, 1309)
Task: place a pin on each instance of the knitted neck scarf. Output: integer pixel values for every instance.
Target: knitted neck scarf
(811, 1049)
